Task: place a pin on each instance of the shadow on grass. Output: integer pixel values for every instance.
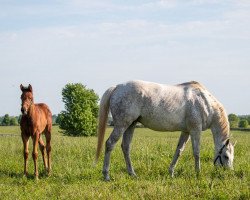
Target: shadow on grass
(20, 175)
(5, 173)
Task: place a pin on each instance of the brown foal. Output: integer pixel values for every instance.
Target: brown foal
(36, 119)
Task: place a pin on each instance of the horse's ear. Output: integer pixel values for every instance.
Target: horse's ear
(227, 142)
(21, 87)
(30, 88)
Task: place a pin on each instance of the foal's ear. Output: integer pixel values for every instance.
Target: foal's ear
(21, 87)
(30, 88)
(227, 142)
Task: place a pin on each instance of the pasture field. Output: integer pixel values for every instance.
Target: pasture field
(74, 176)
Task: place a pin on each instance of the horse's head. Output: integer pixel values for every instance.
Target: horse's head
(27, 98)
(225, 156)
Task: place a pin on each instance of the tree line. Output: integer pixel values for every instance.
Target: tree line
(8, 120)
(238, 121)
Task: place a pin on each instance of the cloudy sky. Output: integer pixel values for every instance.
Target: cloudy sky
(100, 43)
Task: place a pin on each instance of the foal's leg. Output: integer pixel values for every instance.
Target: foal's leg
(43, 150)
(35, 139)
(180, 147)
(48, 148)
(25, 152)
(127, 137)
(110, 144)
(195, 138)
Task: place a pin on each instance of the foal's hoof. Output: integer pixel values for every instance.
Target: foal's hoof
(48, 173)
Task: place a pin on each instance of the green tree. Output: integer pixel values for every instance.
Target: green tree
(233, 120)
(54, 117)
(58, 119)
(248, 119)
(81, 110)
(19, 119)
(6, 120)
(243, 123)
(13, 121)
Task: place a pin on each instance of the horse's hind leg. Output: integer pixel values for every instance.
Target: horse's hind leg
(110, 144)
(127, 137)
(43, 150)
(48, 148)
(180, 147)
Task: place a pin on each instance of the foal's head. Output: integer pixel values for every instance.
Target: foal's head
(225, 156)
(27, 98)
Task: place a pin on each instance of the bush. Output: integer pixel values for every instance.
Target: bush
(81, 110)
(5, 120)
(243, 123)
(233, 120)
(13, 121)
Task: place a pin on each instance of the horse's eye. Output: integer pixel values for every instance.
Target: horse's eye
(226, 157)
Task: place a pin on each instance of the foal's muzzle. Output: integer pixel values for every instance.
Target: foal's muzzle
(24, 112)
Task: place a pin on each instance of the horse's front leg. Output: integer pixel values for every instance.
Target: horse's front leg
(126, 141)
(179, 149)
(25, 152)
(195, 138)
(35, 153)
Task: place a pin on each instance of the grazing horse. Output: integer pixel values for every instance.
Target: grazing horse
(187, 107)
(36, 119)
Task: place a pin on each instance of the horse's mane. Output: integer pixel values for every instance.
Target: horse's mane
(223, 120)
(220, 111)
(194, 84)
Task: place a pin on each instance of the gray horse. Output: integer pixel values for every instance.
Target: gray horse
(187, 107)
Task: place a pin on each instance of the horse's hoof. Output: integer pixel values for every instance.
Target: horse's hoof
(133, 174)
(171, 173)
(106, 178)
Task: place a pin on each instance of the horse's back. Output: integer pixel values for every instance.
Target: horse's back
(44, 111)
(162, 107)
(157, 106)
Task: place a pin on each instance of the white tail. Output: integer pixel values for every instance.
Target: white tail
(103, 117)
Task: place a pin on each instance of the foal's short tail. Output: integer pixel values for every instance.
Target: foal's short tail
(103, 117)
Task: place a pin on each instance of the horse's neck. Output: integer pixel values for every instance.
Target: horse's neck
(31, 112)
(220, 128)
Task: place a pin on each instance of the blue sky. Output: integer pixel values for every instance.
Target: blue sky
(102, 43)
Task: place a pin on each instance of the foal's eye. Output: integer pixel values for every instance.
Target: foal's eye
(226, 157)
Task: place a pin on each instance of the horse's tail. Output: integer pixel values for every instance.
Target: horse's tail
(103, 117)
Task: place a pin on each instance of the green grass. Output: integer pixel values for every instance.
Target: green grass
(74, 176)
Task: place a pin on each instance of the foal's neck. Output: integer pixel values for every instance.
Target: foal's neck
(31, 111)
